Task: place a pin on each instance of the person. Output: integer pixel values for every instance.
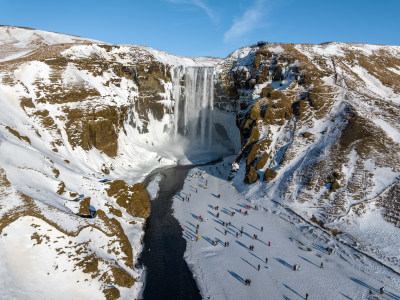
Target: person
(255, 236)
(262, 228)
(266, 260)
(237, 234)
(206, 186)
(241, 228)
(306, 296)
(381, 290)
(227, 243)
(217, 215)
(258, 267)
(322, 265)
(269, 243)
(225, 231)
(223, 223)
(197, 230)
(198, 226)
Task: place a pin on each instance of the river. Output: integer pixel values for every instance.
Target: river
(167, 273)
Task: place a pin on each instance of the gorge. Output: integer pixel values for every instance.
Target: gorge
(312, 127)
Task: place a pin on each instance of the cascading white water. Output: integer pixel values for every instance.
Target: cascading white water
(193, 93)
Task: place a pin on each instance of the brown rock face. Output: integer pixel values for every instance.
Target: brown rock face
(133, 198)
(251, 175)
(95, 128)
(269, 175)
(84, 208)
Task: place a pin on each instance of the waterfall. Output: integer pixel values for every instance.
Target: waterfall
(193, 93)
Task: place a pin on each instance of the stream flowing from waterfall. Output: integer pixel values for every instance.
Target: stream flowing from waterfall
(167, 273)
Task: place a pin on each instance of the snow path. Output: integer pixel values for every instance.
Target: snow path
(220, 271)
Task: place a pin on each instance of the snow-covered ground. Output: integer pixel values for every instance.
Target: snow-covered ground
(220, 271)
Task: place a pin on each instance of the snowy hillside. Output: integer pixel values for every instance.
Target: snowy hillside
(78, 117)
(321, 136)
(314, 127)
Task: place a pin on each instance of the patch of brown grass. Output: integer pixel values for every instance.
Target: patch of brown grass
(18, 135)
(133, 198)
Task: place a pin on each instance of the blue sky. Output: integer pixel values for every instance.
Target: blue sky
(211, 27)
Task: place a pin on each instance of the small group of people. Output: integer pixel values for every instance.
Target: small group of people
(296, 268)
(251, 247)
(247, 281)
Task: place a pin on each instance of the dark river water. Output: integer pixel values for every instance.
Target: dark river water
(167, 273)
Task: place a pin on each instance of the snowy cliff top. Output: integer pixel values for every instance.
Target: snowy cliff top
(16, 42)
(176, 60)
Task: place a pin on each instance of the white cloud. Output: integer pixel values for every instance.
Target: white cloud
(200, 4)
(250, 20)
